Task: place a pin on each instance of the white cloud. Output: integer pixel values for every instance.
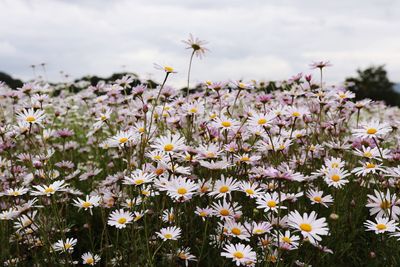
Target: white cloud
(247, 39)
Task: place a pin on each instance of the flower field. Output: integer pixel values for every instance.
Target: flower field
(290, 173)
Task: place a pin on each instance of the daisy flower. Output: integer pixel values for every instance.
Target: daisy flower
(90, 258)
(139, 177)
(383, 205)
(236, 229)
(185, 255)
(16, 192)
(120, 218)
(225, 210)
(372, 129)
(65, 246)
(88, 203)
(203, 212)
(368, 167)
(381, 225)
(223, 187)
(31, 116)
(225, 123)
(241, 254)
(371, 153)
(270, 202)
(316, 198)
(246, 159)
(336, 177)
(168, 69)
(169, 143)
(169, 233)
(260, 228)
(48, 190)
(309, 226)
(250, 189)
(181, 189)
(261, 120)
(122, 139)
(196, 45)
(287, 240)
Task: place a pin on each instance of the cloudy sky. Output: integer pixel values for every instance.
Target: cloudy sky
(249, 39)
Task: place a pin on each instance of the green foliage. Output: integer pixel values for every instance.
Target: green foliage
(373, 83)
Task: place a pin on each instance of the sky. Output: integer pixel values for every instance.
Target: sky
(249, 39)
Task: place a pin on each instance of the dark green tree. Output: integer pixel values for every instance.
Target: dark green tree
(10, 81)
(374, 83)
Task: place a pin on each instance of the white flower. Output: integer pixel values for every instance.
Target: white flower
(169, 143)
(381, 225)
(372, 129)
(31, 116)
(240, 254)
(65, 246)
(90, 259)
(89, 203)
(48, 190)
(169, 233)
(120, 218)
(309, 226)
(383, 205)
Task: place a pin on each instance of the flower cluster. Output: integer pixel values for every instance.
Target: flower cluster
(248, 173)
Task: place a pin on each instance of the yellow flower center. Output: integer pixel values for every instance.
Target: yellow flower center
(67, 246)
(182, 191)
(15, 193)
(139, 181)
(296, 114)
(381, 226)
(370, 165)
(271, 204)
(317, 199)
(182, 256)
(49, 190)
(103, 117)
(385, 204)
(286, 239)
(238, 255)
(335, 165)
(262, 121)
(157, 157)
(30, 119)
(335, 178)
(123, 140)
(169, 147)
(122, 220)
(89, 261)
(241, 85)
(168, 236)
(224, 189)
(258, 231)
(193, 110)
(202, 214)
(226, 124)
(306, 227)
(168, 69)
(245, 158)
(210, 154)
(224, 212)
(250, 191)
(141, 129)
(372, 131)
(86, 204)
(236, 231)
(368, 154)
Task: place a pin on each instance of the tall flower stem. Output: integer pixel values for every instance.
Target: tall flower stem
(188, 76)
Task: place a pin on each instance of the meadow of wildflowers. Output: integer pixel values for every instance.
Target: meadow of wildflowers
(290, 173)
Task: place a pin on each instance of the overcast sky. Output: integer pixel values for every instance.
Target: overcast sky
(249, 39)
